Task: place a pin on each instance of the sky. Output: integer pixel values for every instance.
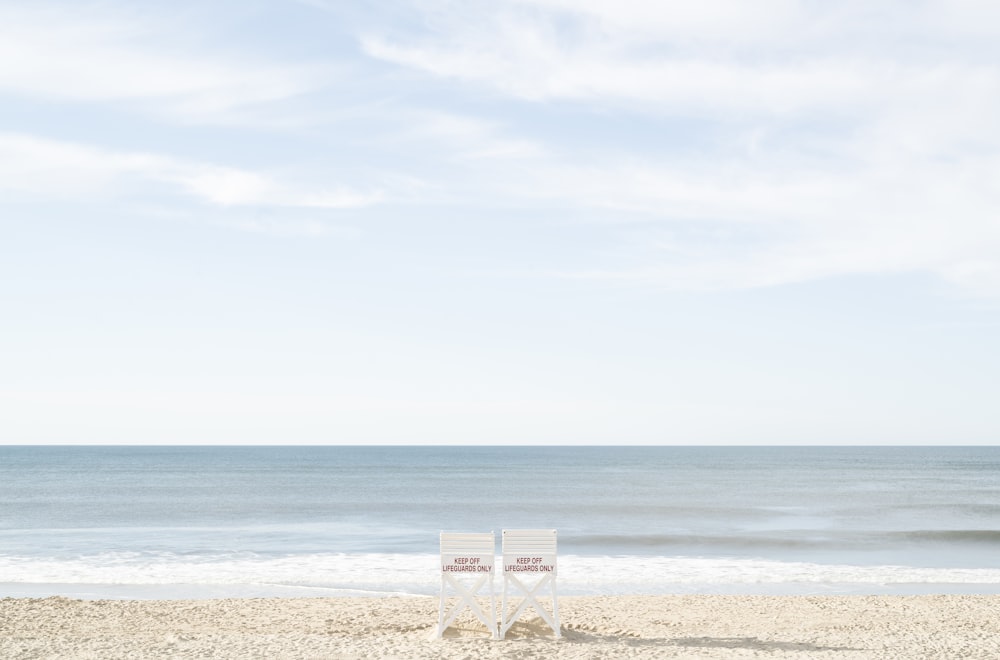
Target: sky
(500, 222)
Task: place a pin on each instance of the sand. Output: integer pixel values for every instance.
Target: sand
(801, 627)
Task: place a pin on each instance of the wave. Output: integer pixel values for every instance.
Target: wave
(988, 536)
(784, 539)
(667, 541)
(416, 574)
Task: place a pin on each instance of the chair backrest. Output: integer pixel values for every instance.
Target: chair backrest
(529, 550)
(467, 552)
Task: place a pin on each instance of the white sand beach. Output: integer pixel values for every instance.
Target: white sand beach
(698, 626)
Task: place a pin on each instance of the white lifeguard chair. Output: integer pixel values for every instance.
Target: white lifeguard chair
(529, 571)
(467, 562)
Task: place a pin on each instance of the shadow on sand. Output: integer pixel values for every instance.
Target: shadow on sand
(752, 643)
(537, 629)
(575, 635)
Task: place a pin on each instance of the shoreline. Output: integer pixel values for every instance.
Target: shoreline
(671, 626)
(218, 591)
(146, 574)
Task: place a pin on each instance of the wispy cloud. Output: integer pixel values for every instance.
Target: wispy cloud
(466, 137)
(79, 53)
(35, 166)
(844, 139)
(722, 57)
(761, 221)
(816, 139)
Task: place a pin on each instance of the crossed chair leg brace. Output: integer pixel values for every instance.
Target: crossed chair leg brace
(529, 598)
(467, 599)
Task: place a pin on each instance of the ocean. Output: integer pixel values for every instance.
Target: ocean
(195, 522)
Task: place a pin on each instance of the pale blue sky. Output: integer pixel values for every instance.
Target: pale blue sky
(512, 221)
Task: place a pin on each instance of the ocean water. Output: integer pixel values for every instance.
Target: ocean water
(155, 522)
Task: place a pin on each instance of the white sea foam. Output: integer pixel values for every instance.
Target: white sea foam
(371, 574)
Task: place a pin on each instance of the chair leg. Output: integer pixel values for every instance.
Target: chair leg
(529, 598)
(555, 611)
(467, 599)
(502, 630)
(440, 630)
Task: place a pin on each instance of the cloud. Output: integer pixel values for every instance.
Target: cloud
(584, 57)
(228, 186)
(708, 20)
(775, 142)
(773, 59)
(763, 221)
(74, 53)
(830, 139)
(467, 137)
(36, 166)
